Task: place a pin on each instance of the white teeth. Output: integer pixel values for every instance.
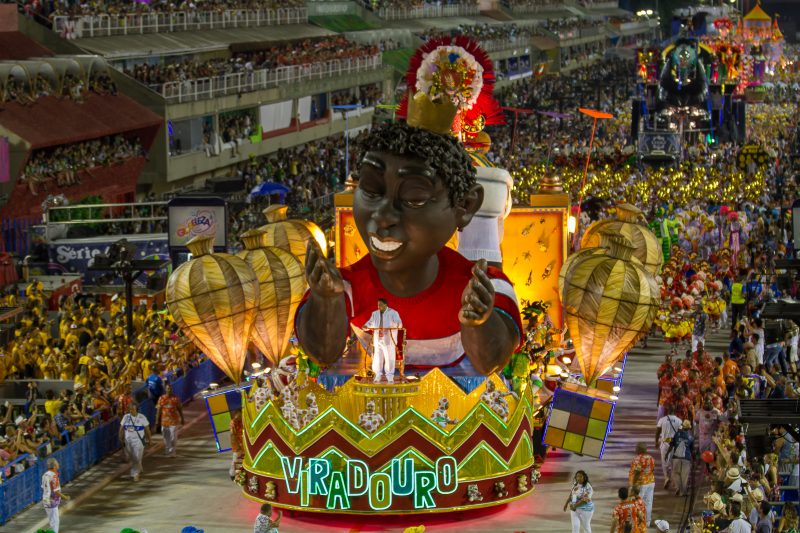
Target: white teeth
(388, 246)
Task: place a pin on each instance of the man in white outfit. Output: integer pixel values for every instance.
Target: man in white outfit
(134, 433)
(384, 323)
(666, 428)
(51, 493)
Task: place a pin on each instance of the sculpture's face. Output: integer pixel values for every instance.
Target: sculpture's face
(402, 211)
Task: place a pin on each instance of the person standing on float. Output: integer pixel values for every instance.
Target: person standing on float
(385, 323)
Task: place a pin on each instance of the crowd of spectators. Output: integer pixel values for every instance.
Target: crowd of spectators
(47, 10)
(484, 33)
(26, 91)
(570, 28)
(305, 52)
(84, 344)
(64, 163)
(312, 172)
(375, 5)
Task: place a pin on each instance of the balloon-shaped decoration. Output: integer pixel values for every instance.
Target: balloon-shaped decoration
(213, 298)
(610, 302)
(282, 284)
(631, 224)
(291, 235)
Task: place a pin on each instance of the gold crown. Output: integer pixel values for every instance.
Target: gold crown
(435, 117)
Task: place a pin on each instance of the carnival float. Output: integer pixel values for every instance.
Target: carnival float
(462, 424)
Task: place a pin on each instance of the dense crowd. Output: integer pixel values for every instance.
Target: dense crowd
(48, 10)
(26, 92)
(312, 172)
(570, 28)
(483, 33)
(85, 345)
(305, 52)
(64, 163)
(409, 4)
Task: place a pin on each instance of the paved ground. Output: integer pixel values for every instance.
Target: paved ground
(195, 489)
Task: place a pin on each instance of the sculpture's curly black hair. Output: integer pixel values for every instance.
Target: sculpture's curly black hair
(442, 152)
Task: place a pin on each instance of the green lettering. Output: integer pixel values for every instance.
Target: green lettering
(337, 492)
(426, 482)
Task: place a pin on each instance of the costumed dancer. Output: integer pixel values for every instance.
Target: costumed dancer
(416, 187)
(134, 431)
(385, 323)
(734, 235)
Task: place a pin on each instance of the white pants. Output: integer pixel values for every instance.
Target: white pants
(135, 450)
(666, 463)
(581, 521)
(170, 434)
(52, 517)
(646, 493)
(383, 360)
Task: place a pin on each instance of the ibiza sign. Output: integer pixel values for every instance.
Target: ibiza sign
(316, 477)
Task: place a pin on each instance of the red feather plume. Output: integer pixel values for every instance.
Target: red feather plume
(485, 105)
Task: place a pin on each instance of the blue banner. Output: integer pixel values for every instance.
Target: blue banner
(74, 257)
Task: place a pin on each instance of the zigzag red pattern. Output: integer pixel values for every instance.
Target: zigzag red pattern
(410, 438)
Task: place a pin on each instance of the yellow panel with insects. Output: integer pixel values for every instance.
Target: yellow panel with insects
(534, 248)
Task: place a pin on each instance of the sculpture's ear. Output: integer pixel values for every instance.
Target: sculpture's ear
(469, 205)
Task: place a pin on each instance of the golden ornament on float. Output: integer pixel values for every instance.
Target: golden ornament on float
(213, 300)
(610, 301)
(282, 284)
(291, 235)
(631, 224)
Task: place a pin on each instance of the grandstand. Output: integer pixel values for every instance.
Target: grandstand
(229, 84)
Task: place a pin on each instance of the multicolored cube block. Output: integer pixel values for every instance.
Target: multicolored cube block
(611, 379)
(579, 421)
(220, 403)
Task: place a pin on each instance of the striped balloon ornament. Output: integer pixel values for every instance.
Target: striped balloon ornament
(291, 235)
(610, 301)
(213, 299)
(282, 284)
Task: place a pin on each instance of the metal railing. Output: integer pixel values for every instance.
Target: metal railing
(141, 23)
(401, 13)
(242, 82)
(105, 213)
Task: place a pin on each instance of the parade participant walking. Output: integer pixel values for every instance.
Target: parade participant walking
(134, 432)
(706, 422)
(580, 503)
(169, 415)
(642, 475)
(681, 449)
(385, 323)
(625, 515)
(666, 428)
(699, 330)
(51, 493)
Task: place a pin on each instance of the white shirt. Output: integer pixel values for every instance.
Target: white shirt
(740, 525)
(388, 319)
(50, 487)
(669, 425)
(133, 426)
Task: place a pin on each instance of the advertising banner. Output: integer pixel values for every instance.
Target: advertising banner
(194, 216)
(74, 257)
